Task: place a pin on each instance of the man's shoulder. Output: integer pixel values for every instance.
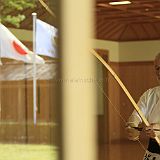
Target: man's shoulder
(153, 91)
(156, 88)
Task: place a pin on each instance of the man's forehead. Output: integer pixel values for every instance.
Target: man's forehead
(157, 60)
(158, 56)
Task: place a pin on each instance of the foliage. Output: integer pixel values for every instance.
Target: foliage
(11, 10)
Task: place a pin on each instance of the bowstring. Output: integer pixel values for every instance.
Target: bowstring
(117, 111)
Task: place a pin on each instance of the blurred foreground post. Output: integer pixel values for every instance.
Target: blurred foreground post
(78, 86)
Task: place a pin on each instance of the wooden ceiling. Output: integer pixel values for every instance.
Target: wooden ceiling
(139, 20)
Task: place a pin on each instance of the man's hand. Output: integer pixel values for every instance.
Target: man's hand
(153, 130)
(132, 133)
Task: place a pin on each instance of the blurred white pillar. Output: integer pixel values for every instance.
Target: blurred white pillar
(78, 87)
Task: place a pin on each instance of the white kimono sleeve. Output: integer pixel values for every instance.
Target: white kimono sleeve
(134, 120)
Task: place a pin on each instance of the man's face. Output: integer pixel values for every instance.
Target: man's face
(157, 67)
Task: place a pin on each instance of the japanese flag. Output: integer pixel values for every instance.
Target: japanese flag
(11, 47)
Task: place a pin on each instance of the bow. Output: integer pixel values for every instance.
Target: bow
(124, 89)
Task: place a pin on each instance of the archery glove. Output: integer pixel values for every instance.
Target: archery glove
(132, 133)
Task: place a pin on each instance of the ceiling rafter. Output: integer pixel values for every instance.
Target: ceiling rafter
(125, 28)
(118, 28)
(135, 32)
(156, 29)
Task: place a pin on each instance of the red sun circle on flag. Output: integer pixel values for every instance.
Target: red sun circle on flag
(18, 48)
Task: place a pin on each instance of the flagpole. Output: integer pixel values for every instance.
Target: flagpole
(0, 50)
(0, 84)
(34, 70)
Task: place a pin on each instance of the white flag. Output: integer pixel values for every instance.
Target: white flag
(11, 47)
(46, 39)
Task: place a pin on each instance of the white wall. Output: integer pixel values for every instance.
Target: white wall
(129, 51)
(138, 51)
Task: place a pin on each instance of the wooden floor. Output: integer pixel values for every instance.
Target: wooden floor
(127, 150)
